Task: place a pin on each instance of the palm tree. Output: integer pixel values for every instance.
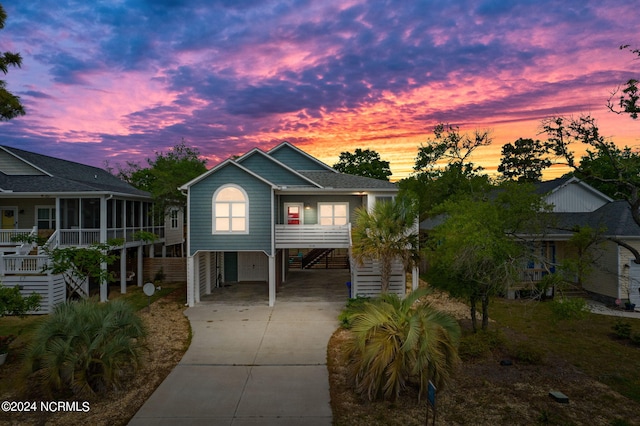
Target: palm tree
(384, 235)
(397, 341)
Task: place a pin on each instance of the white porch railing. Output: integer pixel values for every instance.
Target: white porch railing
(79, 237)
(312, 236)
(7, 235)
(23, 264)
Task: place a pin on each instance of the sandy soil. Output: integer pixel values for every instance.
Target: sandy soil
(168, 338)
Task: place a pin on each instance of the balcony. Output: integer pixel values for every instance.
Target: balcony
(312, 236)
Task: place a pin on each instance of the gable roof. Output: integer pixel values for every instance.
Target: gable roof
(297, 159)
(44, 174)
(288, 175)
(225, 163)
(555, 185)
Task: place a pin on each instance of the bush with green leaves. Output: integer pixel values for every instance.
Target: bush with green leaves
(567, 309)
(526, 352)
(397, 342)
(12, 302)
(85, 348)
(622, 329)
(354, 305)
(475, 346)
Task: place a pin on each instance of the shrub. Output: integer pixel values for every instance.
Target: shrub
(354, 306)
(86, 348)
(479, 345)
(566, 309)
(396, 342)
(12, 302)
(526, 352)
(622, 328)
(635, 339)
(473, 347)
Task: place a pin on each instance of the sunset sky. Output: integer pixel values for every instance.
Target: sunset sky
(120, 80)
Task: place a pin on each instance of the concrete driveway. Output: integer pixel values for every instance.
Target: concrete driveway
(249, 364)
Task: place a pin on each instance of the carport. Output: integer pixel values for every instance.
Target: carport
(305, 285)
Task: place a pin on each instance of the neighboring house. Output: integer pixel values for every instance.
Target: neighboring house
(249, 217)
(577, 204)
(68, 204)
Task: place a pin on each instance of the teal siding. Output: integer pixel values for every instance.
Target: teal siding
(277, 174)
(296, 160)
(200, 211)
(311, 213)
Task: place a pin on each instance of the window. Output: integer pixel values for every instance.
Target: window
(230, 210)
(174, 218)
(46, 217)
(333, 214)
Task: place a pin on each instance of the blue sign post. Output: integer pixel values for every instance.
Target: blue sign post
(431, 401)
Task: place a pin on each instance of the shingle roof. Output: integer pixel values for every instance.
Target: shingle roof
(67, 176)
(546, 187)
(615, 217)
(335, 180)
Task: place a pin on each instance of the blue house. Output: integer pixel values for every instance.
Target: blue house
(249, 216)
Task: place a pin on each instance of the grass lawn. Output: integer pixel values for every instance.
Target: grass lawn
(599, 372)
(589, 344)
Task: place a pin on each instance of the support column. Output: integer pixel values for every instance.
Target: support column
(104, 283)
(140, 270)
(208, 273)
(272, 280)
(415, 275)
(123, 270)
(190, 281)
(197, 264)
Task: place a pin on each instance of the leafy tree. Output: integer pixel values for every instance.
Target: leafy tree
(524, 160)
(12, 302)
(444, 169)
(605, 165)
(475, 253)
(580, 261)
(628, 101)
(78, 264)
(398, 341)
(451, 147)
(385, 234)
(86, 348)
(10, 106)
(365, 163)
(164, 174)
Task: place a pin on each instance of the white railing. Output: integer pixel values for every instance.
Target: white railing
(312, 236)
(23, 265)
(79, 237)
(7, 235)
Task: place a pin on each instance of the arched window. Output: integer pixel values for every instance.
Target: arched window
(230, 210)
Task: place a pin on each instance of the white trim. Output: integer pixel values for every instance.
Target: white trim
(285, 208)
(333, 216)
(225, 163)
(214, 204)
(8, 151)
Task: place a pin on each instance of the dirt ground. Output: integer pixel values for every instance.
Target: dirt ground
(168, 338)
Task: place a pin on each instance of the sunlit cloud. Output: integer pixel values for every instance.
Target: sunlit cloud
(120, 80)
